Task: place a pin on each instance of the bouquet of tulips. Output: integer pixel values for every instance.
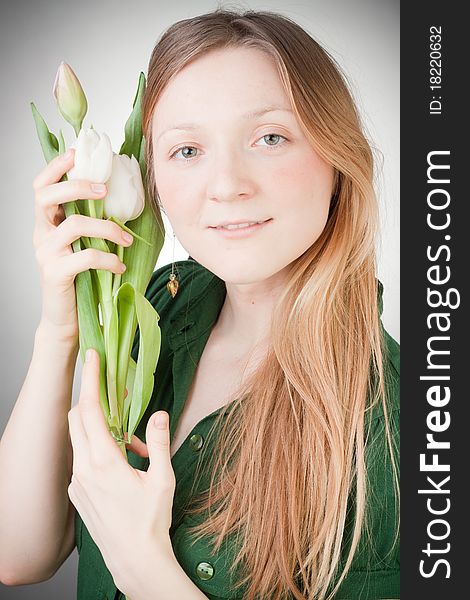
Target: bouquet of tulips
(110, 306)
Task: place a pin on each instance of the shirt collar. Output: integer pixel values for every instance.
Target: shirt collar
(380, 289)
(205, 297)
(203, 306)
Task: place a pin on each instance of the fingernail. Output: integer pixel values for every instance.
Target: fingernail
(89, 355)
(126, 236)
(67, 155)
(98, 187)
(160, 421)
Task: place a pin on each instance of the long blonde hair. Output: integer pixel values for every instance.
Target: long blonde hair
(292, 447)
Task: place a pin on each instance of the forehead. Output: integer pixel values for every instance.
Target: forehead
(220, 82)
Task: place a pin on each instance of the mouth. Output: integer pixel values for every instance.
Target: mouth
(240, 229)
(229, 226)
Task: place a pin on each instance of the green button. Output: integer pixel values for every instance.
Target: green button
(204, 570)
(195, 442)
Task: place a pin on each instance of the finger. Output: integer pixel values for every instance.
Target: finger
(93, 419)
(158, 444)
(137, 446)
(55, 169)
(76, 226)
(66, 191)
(67, 267)
(78, 439)
(91, 258)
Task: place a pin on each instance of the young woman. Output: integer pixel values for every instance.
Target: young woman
(279, 379)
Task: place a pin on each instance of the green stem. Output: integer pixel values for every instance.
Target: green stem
(118, 392)
(90, 334)
(91, 208)
(122, 447)
(117, 276)
(126, 340)
(106, 309)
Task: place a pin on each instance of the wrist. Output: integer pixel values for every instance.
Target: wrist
(153, 560)
(57, 338)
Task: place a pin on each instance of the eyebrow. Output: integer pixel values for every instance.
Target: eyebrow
(252, 114)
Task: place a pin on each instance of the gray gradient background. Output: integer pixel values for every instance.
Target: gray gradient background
(108, 43)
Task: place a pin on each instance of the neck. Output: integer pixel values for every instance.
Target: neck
(245, 317)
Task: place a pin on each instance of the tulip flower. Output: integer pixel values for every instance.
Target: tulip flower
(125, 196)
(110, 306)
(93, 157)
(119, 299)
(69, 95)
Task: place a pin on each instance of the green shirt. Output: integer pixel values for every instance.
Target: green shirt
(186, 322)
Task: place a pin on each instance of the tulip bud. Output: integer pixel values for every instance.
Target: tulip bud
(69, 95)
(93, 157)
(125, 198)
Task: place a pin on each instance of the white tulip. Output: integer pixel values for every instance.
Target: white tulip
(93, 157)
(125, 198)
(69, 95)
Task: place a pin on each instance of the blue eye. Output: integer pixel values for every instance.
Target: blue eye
(182, 148)
(270, 146)
(275, 135)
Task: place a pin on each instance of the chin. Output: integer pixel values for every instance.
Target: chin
(239, 272)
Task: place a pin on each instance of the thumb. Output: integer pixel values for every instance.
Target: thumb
(158, 446)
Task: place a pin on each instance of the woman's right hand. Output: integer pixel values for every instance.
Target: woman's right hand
(52, 239)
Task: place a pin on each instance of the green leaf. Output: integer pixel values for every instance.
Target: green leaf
(149, 351)
(124, 299)
(133, 127)
(141, 260)
(121, 224)
(133, 308)
(61, 142)
(90, 334)
(112, 347)
(130, 388)
(48, 141)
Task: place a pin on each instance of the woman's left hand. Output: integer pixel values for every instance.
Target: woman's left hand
(126, 511)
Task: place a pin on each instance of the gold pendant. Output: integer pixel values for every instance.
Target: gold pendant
(172, 285)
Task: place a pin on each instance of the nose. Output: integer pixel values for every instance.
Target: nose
(229, 177)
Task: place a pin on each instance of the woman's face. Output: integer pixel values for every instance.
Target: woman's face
(214, 163)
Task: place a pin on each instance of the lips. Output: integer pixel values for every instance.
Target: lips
(240, 230)
(230, 225)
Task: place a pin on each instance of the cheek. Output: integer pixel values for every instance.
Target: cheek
(306, 176)
(172, 193)
(304, 170)
(284, 177)
(304, 190)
